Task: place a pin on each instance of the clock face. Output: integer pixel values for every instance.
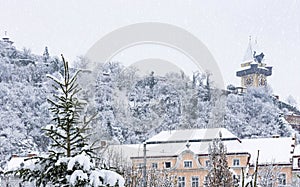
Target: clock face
(249, 81)
(262, 80)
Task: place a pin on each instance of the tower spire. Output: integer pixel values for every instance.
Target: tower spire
(5, 35)
(248, 57)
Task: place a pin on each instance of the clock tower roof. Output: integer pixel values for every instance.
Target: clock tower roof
(251, 52)
(248, 57)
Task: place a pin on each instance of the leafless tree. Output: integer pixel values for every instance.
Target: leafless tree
(268, 175)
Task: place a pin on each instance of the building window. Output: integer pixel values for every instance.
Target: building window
(195, 181)
(181, 181)
(188, 164)
(167, 164)
(140, 165)
(282, 179)
(154, 165)
(236, 162)
(207, 163)
(205, 181)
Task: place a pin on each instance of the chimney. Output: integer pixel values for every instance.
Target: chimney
(31, 154)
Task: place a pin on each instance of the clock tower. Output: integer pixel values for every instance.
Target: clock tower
(254, 71)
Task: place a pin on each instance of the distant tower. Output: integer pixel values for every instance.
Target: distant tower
(46, 55)
(254, 71)
(6, 38)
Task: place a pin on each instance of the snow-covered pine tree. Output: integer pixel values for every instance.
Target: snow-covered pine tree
(105, 105)
(69, 162)
(219, 173)
(68, 133)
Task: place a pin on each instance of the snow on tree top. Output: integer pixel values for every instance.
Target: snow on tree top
(78, 175)
(82, 160)
(111, 178)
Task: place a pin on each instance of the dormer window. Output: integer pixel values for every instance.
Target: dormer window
(236, 162)
(188, 164)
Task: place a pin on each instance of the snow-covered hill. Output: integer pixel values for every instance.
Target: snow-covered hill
(129, 108)
(23, 92)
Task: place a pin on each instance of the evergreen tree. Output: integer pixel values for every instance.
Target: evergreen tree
(68, 132)
(219, 174)
(70, 160)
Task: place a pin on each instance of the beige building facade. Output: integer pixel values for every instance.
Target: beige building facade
(184, 154)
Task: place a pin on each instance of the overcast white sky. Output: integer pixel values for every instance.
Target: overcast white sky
(72, 27)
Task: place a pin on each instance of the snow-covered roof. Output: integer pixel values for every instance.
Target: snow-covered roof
(171, 143)
(255, 68)
(17, 162)
(191, 134)
(277, 150)
(14, 163)
(172, 149)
